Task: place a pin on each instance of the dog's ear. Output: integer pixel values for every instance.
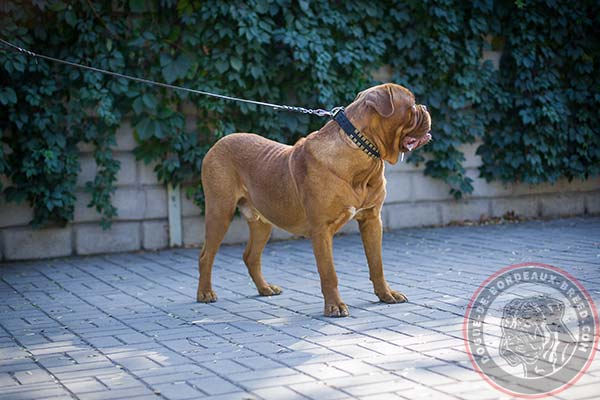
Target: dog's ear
(382, 100)
(360, 94)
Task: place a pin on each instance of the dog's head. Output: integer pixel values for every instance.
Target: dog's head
(533, 332)
(389, 113)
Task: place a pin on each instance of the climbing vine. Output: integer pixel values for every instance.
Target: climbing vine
(543, 111)
(536, 114)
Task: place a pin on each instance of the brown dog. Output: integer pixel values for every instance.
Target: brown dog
(311, 189)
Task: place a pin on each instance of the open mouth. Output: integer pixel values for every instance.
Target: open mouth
(412, 143)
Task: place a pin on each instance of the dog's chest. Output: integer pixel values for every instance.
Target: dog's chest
(368, 193)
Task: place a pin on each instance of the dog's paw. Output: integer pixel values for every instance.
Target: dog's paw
(206, 296)
(336, 310)
(392, 297)
(269, 290)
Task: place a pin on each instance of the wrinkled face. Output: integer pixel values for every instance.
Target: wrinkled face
(523, 339)
(402, 125)
(419, 133)
(531, 327)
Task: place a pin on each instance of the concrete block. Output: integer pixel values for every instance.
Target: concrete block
(189, 108)
(523, 189)
(404, 215)
(560, 205)
(128, 171)
(191, 123)
(350, 227)
(588, 185)
(525, 206)
(592, 202)
(13, 214)
(280, 234)
(383, 74)
(463, 210)
(399, 187)
(28, 243)
(472, 160)
(190, 111)
(124, 137)
(92, 239)
(155, 234)
(193, 231)
(427, 188)
(188, 208)
(127, 174)
(560, 186)
(493, 56)
(88, 169)
(405, 166)
(83, 213)
(85, 147)
(147, 175)
(156, 202)
(482, 188)
(131, 203)
(237, 232)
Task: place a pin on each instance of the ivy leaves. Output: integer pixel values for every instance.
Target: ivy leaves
(546, 96)
(537, 114)
(175, 68)
(7, 96)
(441, 62)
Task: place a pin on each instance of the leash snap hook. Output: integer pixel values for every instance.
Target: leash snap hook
(322, 113)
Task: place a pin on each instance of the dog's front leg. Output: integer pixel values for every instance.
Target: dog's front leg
(322, 242)
(371, 232)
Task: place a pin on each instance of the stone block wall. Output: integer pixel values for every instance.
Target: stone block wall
(412, 200)
(141, 224)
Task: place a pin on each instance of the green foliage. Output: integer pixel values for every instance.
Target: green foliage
(537, 114)
(437, 54)
(543, 117)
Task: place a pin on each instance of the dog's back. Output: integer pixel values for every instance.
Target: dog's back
(253, 172)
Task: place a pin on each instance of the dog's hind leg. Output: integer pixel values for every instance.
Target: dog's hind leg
(218, 218)
(220, 193)
(260, 231)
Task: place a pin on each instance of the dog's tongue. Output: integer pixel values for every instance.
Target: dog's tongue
(410, 142)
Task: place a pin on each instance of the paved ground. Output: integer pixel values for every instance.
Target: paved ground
(127, 327)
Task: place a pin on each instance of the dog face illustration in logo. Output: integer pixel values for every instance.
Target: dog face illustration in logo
(535, 336)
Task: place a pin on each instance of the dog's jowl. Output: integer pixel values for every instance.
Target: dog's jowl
(312, 188)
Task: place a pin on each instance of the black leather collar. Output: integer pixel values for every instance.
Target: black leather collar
(354, 134)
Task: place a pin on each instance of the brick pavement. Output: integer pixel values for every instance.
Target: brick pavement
(127, 326)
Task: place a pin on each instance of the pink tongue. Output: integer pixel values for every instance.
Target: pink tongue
(410, 143)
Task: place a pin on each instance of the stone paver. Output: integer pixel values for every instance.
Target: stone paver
(128, 327)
